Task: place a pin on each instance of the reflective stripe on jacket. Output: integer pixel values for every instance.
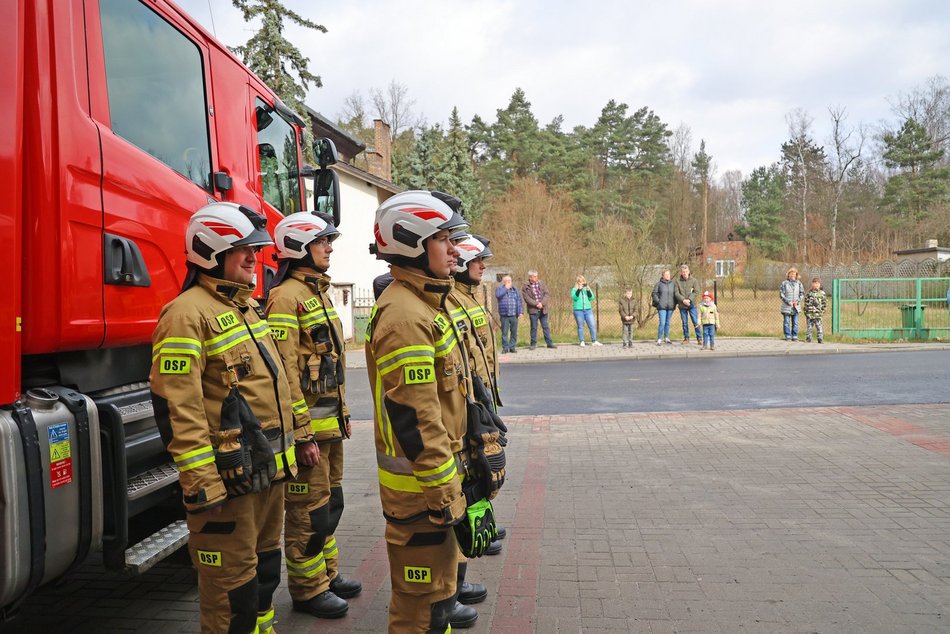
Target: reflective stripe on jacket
(207, 339)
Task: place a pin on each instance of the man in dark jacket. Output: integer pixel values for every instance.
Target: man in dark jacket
(687, 290)
(537, 299)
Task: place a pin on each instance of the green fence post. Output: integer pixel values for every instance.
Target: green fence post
(835, 303)
(919, 312)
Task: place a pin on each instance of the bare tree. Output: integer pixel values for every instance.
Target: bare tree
(847, 143)
(631, 255)
(930, 107)
(394, 106)
(801, 157)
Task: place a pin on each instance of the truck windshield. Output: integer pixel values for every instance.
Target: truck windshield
(277, 151)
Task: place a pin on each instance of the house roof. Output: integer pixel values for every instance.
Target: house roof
(346, 143)
(346, 168)
(923, 250)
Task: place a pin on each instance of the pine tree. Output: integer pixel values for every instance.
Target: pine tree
(272, 56)
(453, 168)
(762, 197)
(702, 163)
(920, 184)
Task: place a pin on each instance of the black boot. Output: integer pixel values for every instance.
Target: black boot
(501, 533)
(494, 548)
(463, 617)
(345, 588)
(325, 605)
(471, 593)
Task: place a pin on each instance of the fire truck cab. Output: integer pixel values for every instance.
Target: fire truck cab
(122, 117)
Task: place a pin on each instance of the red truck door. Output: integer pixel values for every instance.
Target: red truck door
(153, 99)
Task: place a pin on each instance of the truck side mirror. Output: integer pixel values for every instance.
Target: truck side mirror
(325, 152)
(326, 193)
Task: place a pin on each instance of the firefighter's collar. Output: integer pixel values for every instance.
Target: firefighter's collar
(431, 290)
(311, 276)
(231, 291)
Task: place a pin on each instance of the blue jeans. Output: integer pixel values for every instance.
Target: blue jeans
(693, 313)
(543, 318)
(509, 332)
(790, 326)
(709, 334)
(585, 315)
(665, 314)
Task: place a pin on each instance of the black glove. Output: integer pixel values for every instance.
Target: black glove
(486, 449)
(232, 457)
(327, 381)
(477, 530)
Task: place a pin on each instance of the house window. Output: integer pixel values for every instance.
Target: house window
(725, 268)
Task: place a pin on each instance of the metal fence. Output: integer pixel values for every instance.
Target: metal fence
(894, 308)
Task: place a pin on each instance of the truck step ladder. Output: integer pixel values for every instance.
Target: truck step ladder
(152, 480)
(156, 547)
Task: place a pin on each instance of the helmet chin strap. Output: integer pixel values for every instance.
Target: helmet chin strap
(464, 278)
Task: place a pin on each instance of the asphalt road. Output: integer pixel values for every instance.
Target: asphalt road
(722, 383)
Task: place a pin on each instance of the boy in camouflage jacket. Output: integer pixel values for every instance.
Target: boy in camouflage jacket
(815, 303)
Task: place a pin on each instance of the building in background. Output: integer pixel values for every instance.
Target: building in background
(722, 259)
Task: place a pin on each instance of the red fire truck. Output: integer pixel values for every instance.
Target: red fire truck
(122, 117)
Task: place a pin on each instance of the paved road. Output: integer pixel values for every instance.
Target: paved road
(713, 383)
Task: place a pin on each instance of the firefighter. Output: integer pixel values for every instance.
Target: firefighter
(472, 318)
(222, 404)
(309, 335)
(416, 371)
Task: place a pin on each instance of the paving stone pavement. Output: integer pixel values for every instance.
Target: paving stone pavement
(833, 519)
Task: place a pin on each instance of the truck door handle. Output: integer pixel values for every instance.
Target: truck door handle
(123, 262)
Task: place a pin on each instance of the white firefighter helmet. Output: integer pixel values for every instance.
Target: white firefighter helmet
(293, 234)
(404, 221)
(217, 227)
(471, 248)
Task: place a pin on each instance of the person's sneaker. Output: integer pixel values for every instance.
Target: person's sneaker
(532, 347)
(345, 588)
(471, 593)
(699, 341)
(705, 347)
(807, 339)
(551, 345)
(596, 343)
(659, 341)
(788, 338)
(513, 351)
(685, 341)
(668, 341)
(820, 340)
(712, 347)
(325, 605)
(583, 344)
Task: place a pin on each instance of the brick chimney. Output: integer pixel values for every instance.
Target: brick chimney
(380, 159)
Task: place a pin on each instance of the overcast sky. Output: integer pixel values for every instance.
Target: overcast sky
(731, 70)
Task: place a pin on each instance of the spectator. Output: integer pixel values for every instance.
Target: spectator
(537, 299)
(509, 310)
(582, 298)
(664, 301)
(791, 293)
(815, 303)
(709, 317)
(628, 311)
(686, 290)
